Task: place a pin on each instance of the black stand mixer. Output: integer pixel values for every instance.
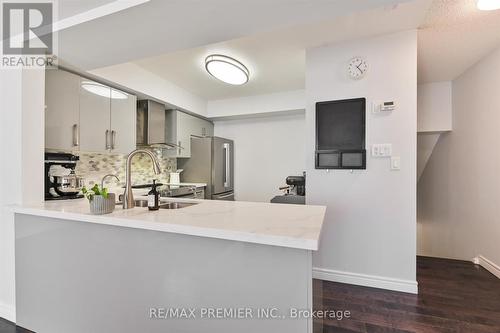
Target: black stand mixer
(65, 185)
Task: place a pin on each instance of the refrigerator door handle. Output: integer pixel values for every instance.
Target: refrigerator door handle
(227, 165)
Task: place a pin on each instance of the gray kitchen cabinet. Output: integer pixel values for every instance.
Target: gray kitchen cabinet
(181, 127)
(123, 123)
(85, 115)
(62, 110)
(178, 124)
(209, 126)
(95, 119)
(107, 119)
(202, 127)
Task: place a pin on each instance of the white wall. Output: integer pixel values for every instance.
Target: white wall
(33, 135)
(267, 150)
(369, 235)
(21, 145)
(136, 78)
(426, 141)
(434, 117)
(10, 173)
(259, 104)
(459, 191)
(434, 107)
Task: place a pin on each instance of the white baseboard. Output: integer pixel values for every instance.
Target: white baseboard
(489, 265)
(8, 312)
(407, 286)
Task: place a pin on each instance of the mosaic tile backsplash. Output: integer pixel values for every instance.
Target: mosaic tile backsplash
(94, 166)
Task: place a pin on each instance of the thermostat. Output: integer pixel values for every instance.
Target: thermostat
(387, 106)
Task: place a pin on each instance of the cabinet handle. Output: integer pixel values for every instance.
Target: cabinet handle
(227, 165)
(113, 139)
(76, 136)
(107, 140)
(180, 149)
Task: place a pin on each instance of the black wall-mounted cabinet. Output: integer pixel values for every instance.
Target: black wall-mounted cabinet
(340, 134)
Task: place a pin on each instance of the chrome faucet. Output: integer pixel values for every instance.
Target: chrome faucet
(108, 175)
(128, 196)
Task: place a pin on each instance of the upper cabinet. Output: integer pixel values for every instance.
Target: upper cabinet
(62, 124)
(123, 118)
(181, 126)
(178, 133)
(107, 118)
(99, 118)
(85, 115)
(202, 127)
(95, 118)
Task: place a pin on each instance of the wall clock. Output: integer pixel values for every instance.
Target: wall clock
(357, 68)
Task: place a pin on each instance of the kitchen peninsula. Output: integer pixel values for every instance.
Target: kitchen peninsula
(76, 271)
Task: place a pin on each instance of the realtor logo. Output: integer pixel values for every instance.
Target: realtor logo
(27, 28)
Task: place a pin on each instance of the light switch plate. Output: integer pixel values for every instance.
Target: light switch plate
(382, 150)
(395, 163)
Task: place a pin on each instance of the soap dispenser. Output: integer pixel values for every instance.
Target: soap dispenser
(153, 198)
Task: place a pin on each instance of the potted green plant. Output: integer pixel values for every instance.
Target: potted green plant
(101, 202)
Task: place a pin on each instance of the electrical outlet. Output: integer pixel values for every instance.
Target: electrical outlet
(395, 163)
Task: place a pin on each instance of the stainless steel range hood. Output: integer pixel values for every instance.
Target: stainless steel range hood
(152, 126)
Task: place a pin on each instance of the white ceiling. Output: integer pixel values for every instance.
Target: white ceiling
(454, 36)
(170, 38)
(274, 65)
(162, 26)
(276, 59)
(67, 8)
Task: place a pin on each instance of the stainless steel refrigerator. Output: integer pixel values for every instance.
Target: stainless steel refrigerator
(211, 162)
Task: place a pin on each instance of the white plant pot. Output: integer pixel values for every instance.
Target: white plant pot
(100, 206)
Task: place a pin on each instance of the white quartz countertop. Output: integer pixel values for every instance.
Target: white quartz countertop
(294, 226)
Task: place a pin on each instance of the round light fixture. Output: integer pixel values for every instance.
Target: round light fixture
(488, 4)
(102, 90)
(227, 69)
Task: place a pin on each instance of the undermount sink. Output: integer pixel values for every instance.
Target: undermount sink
(176, 205)
(138, 202)
(164, 205)
(141, 203)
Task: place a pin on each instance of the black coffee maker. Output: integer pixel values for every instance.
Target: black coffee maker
(294, 191)
(295, 185)
(61, 182)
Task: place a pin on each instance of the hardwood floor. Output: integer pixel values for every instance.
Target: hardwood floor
(454, 296)
(8, 327)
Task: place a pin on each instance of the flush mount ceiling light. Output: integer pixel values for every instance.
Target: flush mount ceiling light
(227, 69)
(488, 4)
(102, 90)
